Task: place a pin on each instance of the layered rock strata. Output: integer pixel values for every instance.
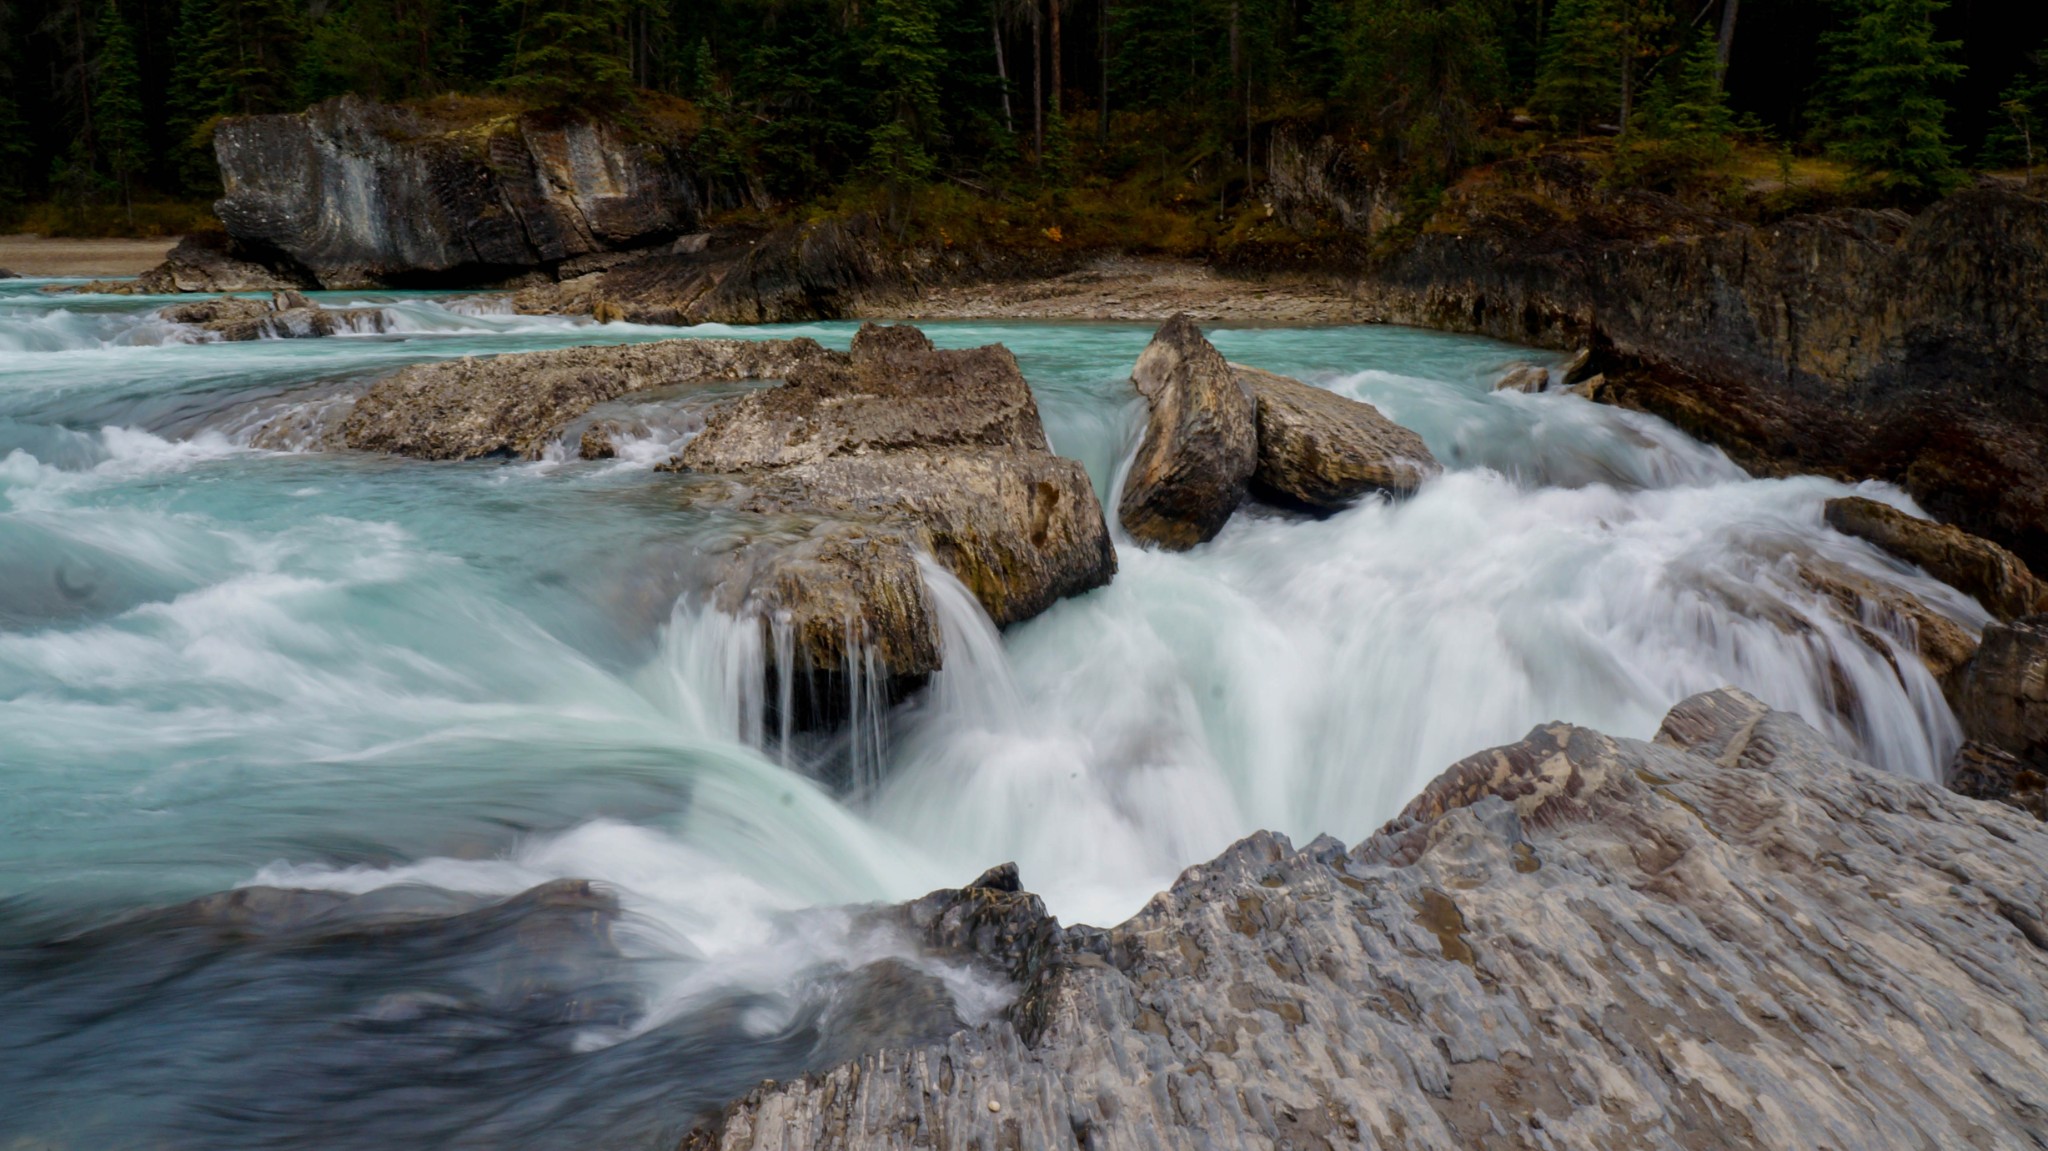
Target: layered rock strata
(1729, 936)
(1996, 577)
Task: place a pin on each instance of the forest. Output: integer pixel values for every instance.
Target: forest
(106, 106)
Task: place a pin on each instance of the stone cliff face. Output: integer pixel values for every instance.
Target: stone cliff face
(1730, 936)
(1862, 344)
(361, 194)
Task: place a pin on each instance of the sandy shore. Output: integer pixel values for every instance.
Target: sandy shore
(37, 256)
(1139, 289)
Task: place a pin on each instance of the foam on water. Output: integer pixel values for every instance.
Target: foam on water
(225, 663)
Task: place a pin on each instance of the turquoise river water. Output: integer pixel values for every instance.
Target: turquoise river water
(436, 685)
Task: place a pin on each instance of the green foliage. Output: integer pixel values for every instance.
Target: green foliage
(2015, 137)
(904, 60)
(1885, 72)
(568, 53)
(117, 98)
(1578, 82)
(1683, 127)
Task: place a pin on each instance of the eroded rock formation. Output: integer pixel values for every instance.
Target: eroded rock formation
(1730, 936)
(517, 404)
(356, 193)
(1200, 446)
(2003, 700)
(1323, 450)
(1995, 576)
(286, 315)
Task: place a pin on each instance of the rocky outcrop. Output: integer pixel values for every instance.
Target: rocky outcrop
(894, 451)
(1944, 646)
(2003, 700)
(1984, 772)
(210, 262)
(517, 404)
(1860, 344)
(1730, 936)
(286, 315)
(1200, 445)
(1977, 567)
(358, 194)
(1322, 450)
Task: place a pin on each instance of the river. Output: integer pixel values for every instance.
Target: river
(437, 685)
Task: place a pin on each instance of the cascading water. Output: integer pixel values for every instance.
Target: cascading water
(228, 659)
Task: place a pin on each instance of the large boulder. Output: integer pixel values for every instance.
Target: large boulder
(1323, 450)
(1572, 941)
(356, 193)
(517, 404)
(2000, 580)
(1201, 445)
(2004, 694)
(896, 450)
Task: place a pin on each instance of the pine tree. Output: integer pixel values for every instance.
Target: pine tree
(1885, 71)
(2015, 137)
(1575, 83)
(904, 59)
(117, 94)
(568, 53)
(1683, 125)
(197, 97)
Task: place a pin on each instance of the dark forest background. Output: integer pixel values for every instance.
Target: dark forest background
(106, 105)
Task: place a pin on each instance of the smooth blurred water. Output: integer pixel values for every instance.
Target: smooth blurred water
(223, 665)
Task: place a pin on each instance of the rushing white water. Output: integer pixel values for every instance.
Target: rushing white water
(224, 663)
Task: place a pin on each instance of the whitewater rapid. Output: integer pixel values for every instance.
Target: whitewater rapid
(226, 664)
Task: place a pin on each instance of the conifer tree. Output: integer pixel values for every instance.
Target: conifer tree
(1885, 74)
(1576, 82)
(197, 96)
(904, 58)
(117, 94)
(568, 53)
(2016, 137)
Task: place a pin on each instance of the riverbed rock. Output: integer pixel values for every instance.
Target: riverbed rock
(1981, 771)
(286, 315)
(1323, 450)
(1523, 377)
(1945, 647)
(909, 450)
(211, 262)
(2004, 693)
(1977, 567)
(1201, 445)
(1573, 941)
(517, 404)
(358, 194)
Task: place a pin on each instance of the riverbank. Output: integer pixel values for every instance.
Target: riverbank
(43, 256)
(1130, 288)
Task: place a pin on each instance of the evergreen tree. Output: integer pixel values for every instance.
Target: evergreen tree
(568, 53)
(1683, 125)
(253, 49)
(2015, 137)
(1575, 84)
(117, 92)
(1885, 72)
(197, 97)
(904, 58)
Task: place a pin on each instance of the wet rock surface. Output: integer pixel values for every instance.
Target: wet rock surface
(286, 315)
(1981, 771)
(1200, 448)
(356, 193)
(1729, 936)
(2003, 698)
(1323, 450)
(517, 404)
(896, 450)
(1996, 577)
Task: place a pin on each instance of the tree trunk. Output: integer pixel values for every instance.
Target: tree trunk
(995, 30)
(1628, 84)
(1057, 87)
(1726, 48)
(1037, 86)
(1102, 105)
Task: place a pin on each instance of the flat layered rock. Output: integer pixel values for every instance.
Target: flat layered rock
(912, 450)
(286, 315)
(517, 404)
(2000, 580)
(1201, 442)
(1729, 936)
(1324, 450)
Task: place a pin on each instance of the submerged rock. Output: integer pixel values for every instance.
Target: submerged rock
(1324, 450)
(1997, 578)
(898, 449)
(1943, 645)
(1572, 941)
(1201, 442)
(516, 404)
(286, 315)
(1523, 377)
(358, 194)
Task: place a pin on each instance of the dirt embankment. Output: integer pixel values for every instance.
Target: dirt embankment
(41, 256)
